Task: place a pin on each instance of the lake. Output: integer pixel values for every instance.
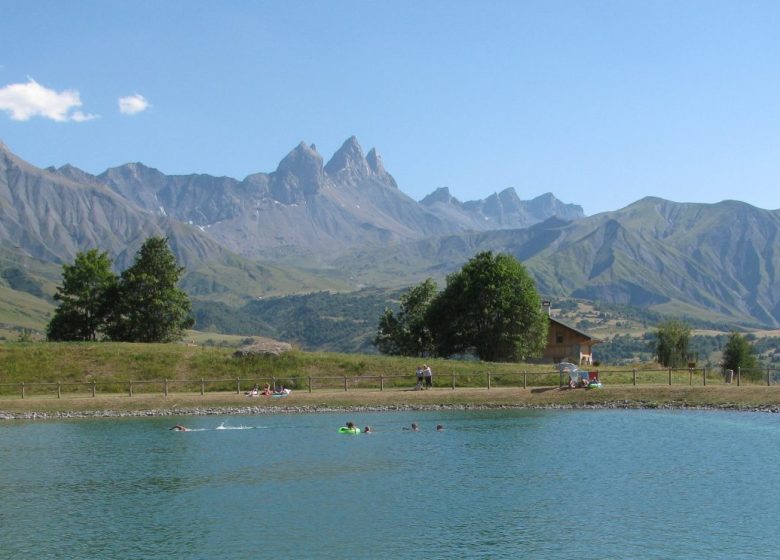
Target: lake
(494, 484)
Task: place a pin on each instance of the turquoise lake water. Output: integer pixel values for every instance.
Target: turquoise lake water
(495, 484)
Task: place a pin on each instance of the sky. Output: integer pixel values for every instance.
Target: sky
(599, 102)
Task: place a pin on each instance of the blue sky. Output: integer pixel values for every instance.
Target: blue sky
(599, 102)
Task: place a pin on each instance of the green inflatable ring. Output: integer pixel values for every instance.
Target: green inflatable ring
(345, 430)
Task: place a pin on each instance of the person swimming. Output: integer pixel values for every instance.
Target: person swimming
(179, 428)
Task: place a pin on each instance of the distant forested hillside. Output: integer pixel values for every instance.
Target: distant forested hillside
(320, 321)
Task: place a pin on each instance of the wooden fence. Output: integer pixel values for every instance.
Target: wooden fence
(524, 379)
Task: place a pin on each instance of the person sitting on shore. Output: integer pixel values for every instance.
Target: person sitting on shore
(267, 390)
(254, 392)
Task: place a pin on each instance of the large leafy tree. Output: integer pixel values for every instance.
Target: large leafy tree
(149, 307)
(82, 311)
(407, 333)
(738, 354)
(490, 308)
(671, 343)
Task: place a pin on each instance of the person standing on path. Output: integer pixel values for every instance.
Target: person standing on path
(428, 376)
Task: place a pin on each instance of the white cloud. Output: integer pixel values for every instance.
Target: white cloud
(24, 101)
(132, 104)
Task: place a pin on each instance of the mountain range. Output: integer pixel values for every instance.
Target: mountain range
(344, 224)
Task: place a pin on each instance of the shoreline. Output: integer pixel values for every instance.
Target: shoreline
(264, 411)
(727, 398)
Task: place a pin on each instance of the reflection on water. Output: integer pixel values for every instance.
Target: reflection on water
(494, 484)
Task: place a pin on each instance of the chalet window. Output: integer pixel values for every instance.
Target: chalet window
(558, 338)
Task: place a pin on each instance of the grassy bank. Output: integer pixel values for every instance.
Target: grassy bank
(61, 376)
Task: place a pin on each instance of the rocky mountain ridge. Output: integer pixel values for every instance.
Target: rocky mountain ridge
(309, 207)
(313, 225)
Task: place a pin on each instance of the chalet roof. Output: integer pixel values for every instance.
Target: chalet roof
(592, 339)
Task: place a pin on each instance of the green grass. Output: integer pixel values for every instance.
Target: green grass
(60, 377)
(22, 310)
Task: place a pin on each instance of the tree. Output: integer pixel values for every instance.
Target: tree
(490, 308)
(82, 311)
(148, 305)
(738, 354)
(671, 343)
(407, 334)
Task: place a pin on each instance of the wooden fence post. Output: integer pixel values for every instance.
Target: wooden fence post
(310, 383)
(202, 387)
(130, 388)
(345, 383)
(704, 375)
(739, 375)
(238, 385)
(453, 380)
(767, 377)
(525, 380)
(165, 387)
(488, 381)
(94, 383)
(22, 389)
(59, 390)
(381, 382)
(670, 376)
(633, 376)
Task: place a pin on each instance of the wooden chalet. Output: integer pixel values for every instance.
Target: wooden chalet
(567, 344)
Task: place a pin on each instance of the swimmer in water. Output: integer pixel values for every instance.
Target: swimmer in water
(180, 428)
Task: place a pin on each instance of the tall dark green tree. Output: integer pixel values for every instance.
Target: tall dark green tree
(149, 307)
(82, 311)
(738, 354)
(490, 308)
(671, 343)
(407, 333)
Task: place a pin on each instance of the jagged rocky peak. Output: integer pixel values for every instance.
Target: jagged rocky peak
(509, 199)
(349, 165)
(377, 167)
(298, 175)
(302, 160)
(442, 196)
(348, 158)
(492, 205)
(375, 163)
(547, 205)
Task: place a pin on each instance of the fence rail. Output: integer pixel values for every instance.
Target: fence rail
(524, 379)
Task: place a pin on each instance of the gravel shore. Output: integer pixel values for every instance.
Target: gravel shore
(261, 410)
